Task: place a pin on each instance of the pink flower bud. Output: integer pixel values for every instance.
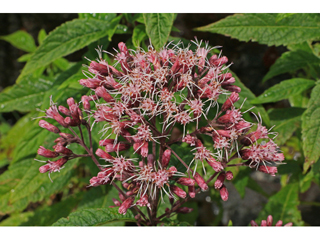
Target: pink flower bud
(116, 202)
(67, 136)
(232, 88)
(253, 223)
(264, 223)
(116, 147)
(95, 181)
(220, 179)
(52, 112)
(63, 150)
(219, 62)
(48, 126)
(184, 210)
(166, 158)
(122, 198)
(269, 220)
(53, 166)
(47, 153)
(224, 77)
(266, 169)
(200, 181)
(224, 193)
(92, 83)
(144, 150)
(126, 205)
(217, 166)
(229, 175)
(105, 142)
(192, 191)
(212, 59)
(143, 201)
(186, 181)
(178, 191)
(102, 92)
(234, 97)
(74, 110)
(98, 68)
(190, 140)
(228, 82)
(71, 122)
(85, 102)
(64, 110)
(288, 224)
(103, 154)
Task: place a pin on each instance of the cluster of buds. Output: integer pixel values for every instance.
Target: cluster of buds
(138, 103)
(268, 223)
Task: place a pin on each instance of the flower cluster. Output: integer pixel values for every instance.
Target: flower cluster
(138, 103)
(268, 223)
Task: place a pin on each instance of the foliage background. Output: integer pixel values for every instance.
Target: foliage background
(36, 196)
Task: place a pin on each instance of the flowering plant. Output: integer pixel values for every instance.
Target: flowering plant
(139, 106)
(148, 128)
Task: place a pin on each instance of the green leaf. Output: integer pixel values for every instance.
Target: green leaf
(268, 28)
(41, 36)
(24, 57)
(99, 16)
(21, 40)
(139, 34)
(26, 95)
(95, 217)
(68, 38)
(284, 206)
(62, 63)
(286, 121)
(47, 215)
(292, 61)
(284, 90)
(16, 219)
(22, 184)
(241, 181)
(158, 27)
(311, 129)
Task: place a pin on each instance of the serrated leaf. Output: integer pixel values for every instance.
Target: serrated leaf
(16, 219)
(68, 38)
(311, 129)
(47, 215)
(284, 90)
(292, 61)
(95, 217)
(21, 40)
(268, 28)
(284, 206)
(22, 184)
(158, 27)
(26, 95)
(286, 121)
(139, 34)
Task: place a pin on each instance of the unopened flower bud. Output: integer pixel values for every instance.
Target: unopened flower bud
(126, 205)
(220, 179)
(63, 150)
(102, 92)
(184, 210)
(66, 136)
(64, 110)
(200, 181)
(229, 175)
(98, 68)
(192, 191)
(103, 154)
(178, 191)
(217, 166)
(116, 147)
(166, 158)
(219, 62)
(48, 126)
(234, 97)
(85, 102)
(224, 193)
(232, 88)
(47, 153)
(267, 169)
(71, 122)
(53, 166)
(186, 181)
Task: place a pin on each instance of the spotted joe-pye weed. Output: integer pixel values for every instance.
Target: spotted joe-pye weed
(138, 102)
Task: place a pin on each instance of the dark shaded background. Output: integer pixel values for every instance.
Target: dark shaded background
(251, 62)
